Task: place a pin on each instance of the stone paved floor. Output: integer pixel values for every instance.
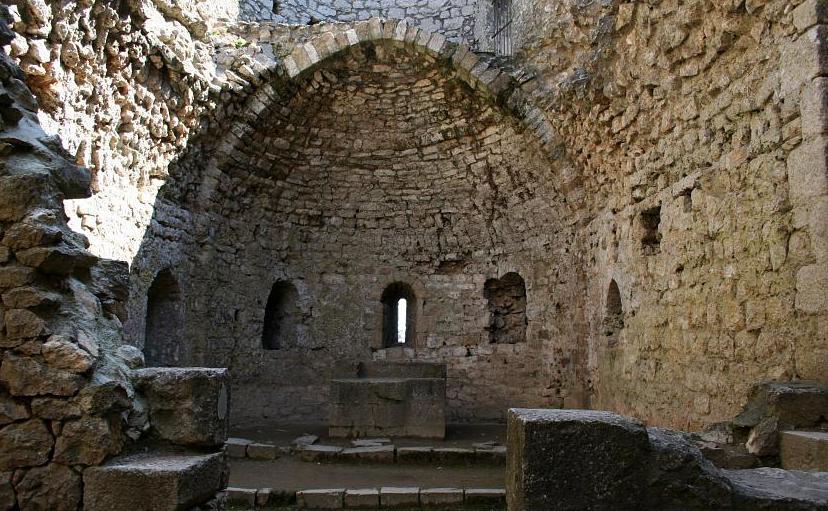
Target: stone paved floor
(288, 473)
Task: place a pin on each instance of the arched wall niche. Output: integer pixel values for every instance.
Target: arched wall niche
(282, 317)
(381, 160)
(164, 343)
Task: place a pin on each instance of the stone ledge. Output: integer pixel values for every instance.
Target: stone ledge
(367, 453)
(371, 498)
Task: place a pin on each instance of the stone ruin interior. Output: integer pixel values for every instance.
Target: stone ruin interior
(405, 254)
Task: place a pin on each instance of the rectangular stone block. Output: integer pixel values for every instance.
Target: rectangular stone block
(810, 13)
(804, 59)
(376, 454)
(362, 499)
(154, 482)
(575, 459)
(399, 497)
(415, 455)
(454, 456)
(804, 450)
(320, 499)
(262, 452)
(188, 406)
(236, 447)
(316, 453)
(813, 108)
(808, 170)
(441, 497)
(390, 399)
(485, 497)
(243, 496)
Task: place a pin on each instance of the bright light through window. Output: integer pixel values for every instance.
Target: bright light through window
(402, 314)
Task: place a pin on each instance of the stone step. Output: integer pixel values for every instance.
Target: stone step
(371, 498)
(804, 450)
(154, 481)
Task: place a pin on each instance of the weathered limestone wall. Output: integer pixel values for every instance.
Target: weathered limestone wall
(453, 18)
(711, 112)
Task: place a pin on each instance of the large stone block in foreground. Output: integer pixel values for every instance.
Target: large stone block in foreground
(154, 482)
(574, 460)
(567, 460)
(188, 406)
(390, 399)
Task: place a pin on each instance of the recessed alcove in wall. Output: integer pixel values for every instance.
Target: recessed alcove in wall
(399, 315)
(614, 315)
(507, 309)
(281, 317)
(650, 234)
(164, 331)
(378, 166)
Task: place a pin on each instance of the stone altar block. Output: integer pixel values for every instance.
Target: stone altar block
(389, 399)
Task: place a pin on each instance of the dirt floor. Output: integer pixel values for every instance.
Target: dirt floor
(288, 473)
(457, 435)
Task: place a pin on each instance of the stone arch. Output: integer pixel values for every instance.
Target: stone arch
(482, 74)
(164, 331)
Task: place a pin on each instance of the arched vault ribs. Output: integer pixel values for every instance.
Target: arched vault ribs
(481, 73)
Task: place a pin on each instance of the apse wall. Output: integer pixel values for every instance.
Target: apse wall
(381, 167)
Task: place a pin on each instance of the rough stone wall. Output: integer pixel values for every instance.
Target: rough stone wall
(455, 19)
(64, 390)
(709, 112)
(712, 112)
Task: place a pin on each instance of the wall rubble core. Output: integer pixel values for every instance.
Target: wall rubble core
(656, 174)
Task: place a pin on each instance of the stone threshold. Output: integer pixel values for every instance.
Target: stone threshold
(381, 454)
(370, 498)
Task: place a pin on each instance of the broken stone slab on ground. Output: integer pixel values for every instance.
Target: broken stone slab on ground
(370, 442)
(305, 440)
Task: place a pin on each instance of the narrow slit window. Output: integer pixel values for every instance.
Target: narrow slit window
(402, 312)
(398, 315)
